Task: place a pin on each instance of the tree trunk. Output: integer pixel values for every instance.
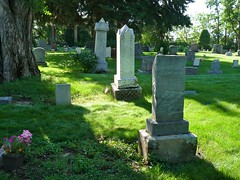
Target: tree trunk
(75, 34)
(16, 57)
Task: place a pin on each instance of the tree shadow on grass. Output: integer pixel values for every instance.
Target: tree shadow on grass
(64, 145)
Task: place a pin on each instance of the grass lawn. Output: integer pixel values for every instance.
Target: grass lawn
(96, 136)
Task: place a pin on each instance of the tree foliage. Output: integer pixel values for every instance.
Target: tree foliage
(204, 39)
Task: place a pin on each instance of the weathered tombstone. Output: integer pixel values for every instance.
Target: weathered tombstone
(89, 45)
(161, 50)
(6, 100)
(229, 53)
(217, 48)
(194, 47)
(147, 62)
(42, 43)
(173, 50)
(191, 70)
(190, 55)
(101, 29)
(138, 50)
(235, 63)
(167, 137)
(63, 94)
(215, 67)
(196, 62)
(78, 50)
(40, 56)
(125, 85)
(238, 52)
(108, 51)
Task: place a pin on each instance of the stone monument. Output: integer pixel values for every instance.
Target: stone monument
(217, 48)
(40, 56)
(215, 67)
(138, 50)
(235, 63)
(101, 29)
(173, 50)
(167, 137)
(190, 55)
(125, 85)
(63, 94)
(147, 62)
(196, 62)
(108, 51)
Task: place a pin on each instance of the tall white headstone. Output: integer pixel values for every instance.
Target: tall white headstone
(125, 85)
(101, 29)
(125, 58)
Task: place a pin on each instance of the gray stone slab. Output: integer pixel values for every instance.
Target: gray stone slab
(171, 148)
(63, 94)
(6, 100)
(167, 128)
(215, 67)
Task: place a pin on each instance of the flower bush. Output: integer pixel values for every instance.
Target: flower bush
(17, 144)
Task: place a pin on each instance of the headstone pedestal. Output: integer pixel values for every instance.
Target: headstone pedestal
(167, 137)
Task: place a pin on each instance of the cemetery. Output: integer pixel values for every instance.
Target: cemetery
(114, 107)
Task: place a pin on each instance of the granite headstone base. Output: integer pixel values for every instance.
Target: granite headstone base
(126, 94)
(169, 148)
(167, 128)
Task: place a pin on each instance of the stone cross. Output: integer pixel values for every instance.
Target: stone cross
(125, 58)
(101, 29)
(167, 136)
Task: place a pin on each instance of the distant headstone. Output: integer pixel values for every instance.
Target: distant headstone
(229, 53)
(108, 51)
(138, 50)
(161, 50)
(147, 62)
(6, 100)
(217, 48)
(89, 45)
(224, 51)
(194, 47)
(215, 67)
(238, 52)
(40, 56)
(235, 63)
(63, 94)
(42, 43)
(78, 50)
(191, 70)
(190, 55)
(173, 50)
(125, 85)
(167, 137)
(196, 62)
(101, 29)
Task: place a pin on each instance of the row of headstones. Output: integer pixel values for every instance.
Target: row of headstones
(147, 62)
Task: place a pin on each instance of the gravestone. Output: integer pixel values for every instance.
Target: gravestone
(229, 53)
(238, 52)
(42, 43)
(215, 67)
(217, 48)
(101, 29)
(167, 137)
(147, 62)
(78, 50)
(6, 100)
(194, 47)
(190, 55)
(138, 50)
(40, 56)
(125, 85)
(161, 50)
(173, 50)
(108, 51)
(191, 70)
(235, 63)
(196, 62)
(63, 94)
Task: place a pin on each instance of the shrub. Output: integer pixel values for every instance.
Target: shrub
(87, 60)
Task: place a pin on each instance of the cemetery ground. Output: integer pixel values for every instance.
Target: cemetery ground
(96, 136)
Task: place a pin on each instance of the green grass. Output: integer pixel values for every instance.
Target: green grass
(96, 136)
